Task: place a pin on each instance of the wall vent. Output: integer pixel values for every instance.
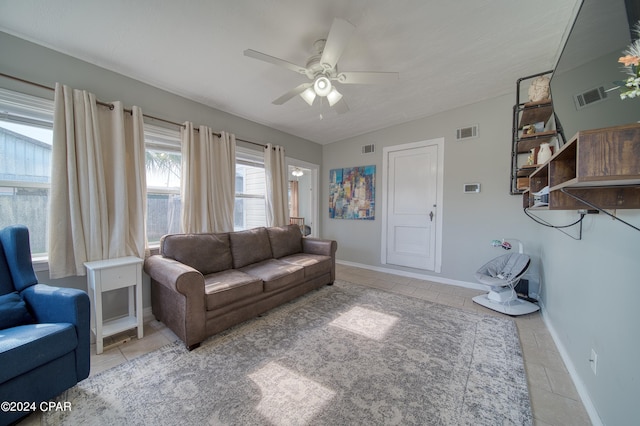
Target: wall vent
(590, 97)
(368, 149)
(467, 132)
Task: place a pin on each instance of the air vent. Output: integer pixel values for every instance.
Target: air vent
(467, 132)
(590, 97)
(368, 149)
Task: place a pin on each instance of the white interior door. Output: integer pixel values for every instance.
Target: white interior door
(412, 213)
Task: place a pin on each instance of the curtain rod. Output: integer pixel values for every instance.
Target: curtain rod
(110, 106)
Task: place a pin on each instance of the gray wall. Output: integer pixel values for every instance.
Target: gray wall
(470, 221)
(32, 62)
(590, 301)
(588, 286)
(35, 63)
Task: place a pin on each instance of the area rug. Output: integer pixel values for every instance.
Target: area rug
(341, 355)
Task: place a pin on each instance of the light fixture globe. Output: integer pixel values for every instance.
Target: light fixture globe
(309, 95)
(322, 86)
(334, 96)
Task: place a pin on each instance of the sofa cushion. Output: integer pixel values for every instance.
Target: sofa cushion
(250, 246)
(285, 240)
(275, 273)
(223, 288)
(26, 347)
(314, 264)
(207, 253)
(13, 311)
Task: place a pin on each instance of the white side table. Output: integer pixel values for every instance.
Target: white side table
(112, 274)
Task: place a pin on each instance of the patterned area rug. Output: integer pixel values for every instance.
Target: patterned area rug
(343, 354)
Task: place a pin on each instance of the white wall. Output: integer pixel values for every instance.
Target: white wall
(589, 287)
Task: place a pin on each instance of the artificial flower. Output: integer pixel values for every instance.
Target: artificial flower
(629, 60)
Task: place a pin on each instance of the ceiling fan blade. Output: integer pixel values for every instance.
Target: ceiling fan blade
(273, 60)
(291, 93)
(367, 77)
(337, 40)
(341, 106)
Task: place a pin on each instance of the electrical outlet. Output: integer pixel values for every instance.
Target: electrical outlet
(594, 361)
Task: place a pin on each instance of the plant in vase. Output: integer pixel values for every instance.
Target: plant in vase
(630, 88)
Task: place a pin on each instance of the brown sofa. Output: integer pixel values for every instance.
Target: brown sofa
(202, 284)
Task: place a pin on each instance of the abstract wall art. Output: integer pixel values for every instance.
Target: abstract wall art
(352, 192)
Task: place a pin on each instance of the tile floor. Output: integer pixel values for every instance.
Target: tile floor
(554, 399)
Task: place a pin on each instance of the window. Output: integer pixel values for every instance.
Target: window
(163, 162)
(26, 134)
(250, 208)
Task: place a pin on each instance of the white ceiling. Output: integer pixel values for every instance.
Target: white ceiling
(448, 53)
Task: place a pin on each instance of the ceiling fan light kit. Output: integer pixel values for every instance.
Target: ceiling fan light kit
(334, 96)
(322, 69)
(322, 86)
(309, 95)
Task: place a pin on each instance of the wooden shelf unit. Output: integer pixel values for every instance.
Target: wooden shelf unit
(599, 166)
(526, 114)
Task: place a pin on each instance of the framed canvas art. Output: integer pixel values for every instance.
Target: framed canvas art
(352, 193)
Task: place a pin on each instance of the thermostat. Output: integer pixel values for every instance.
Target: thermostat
(471, 187)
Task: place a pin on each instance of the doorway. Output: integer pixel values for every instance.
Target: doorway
(412, 205)
(303, 195)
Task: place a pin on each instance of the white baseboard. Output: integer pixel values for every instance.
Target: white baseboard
(577, 381)
(425, 277)
(147, 315)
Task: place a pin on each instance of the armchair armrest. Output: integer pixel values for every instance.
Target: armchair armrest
(56, 304)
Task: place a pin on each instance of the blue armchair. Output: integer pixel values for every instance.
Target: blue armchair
(44, 330)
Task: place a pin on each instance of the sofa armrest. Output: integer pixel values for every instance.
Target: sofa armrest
(50, 304)
(178, 298)
(175, 276)
(319, 246)
(322, 247)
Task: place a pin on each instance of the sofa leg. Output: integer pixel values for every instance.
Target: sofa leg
(194, 346)
(331, 283)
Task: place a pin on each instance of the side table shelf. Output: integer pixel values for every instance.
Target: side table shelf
(112, 274)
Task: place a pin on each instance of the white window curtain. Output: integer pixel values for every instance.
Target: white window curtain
(98, 183)
(208, 180)
(277, 186)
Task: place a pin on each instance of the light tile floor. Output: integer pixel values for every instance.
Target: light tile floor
(554, 398)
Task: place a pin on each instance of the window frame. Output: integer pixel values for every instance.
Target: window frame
(251, 158)
(168, 140)
(33, 111)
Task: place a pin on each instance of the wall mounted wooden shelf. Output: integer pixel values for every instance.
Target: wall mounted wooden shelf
(601, 167)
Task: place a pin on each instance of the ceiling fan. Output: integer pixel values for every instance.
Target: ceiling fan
(322, 69)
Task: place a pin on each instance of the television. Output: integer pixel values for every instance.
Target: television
(583, 82)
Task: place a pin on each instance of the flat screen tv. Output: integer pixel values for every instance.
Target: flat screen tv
(582, 86)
